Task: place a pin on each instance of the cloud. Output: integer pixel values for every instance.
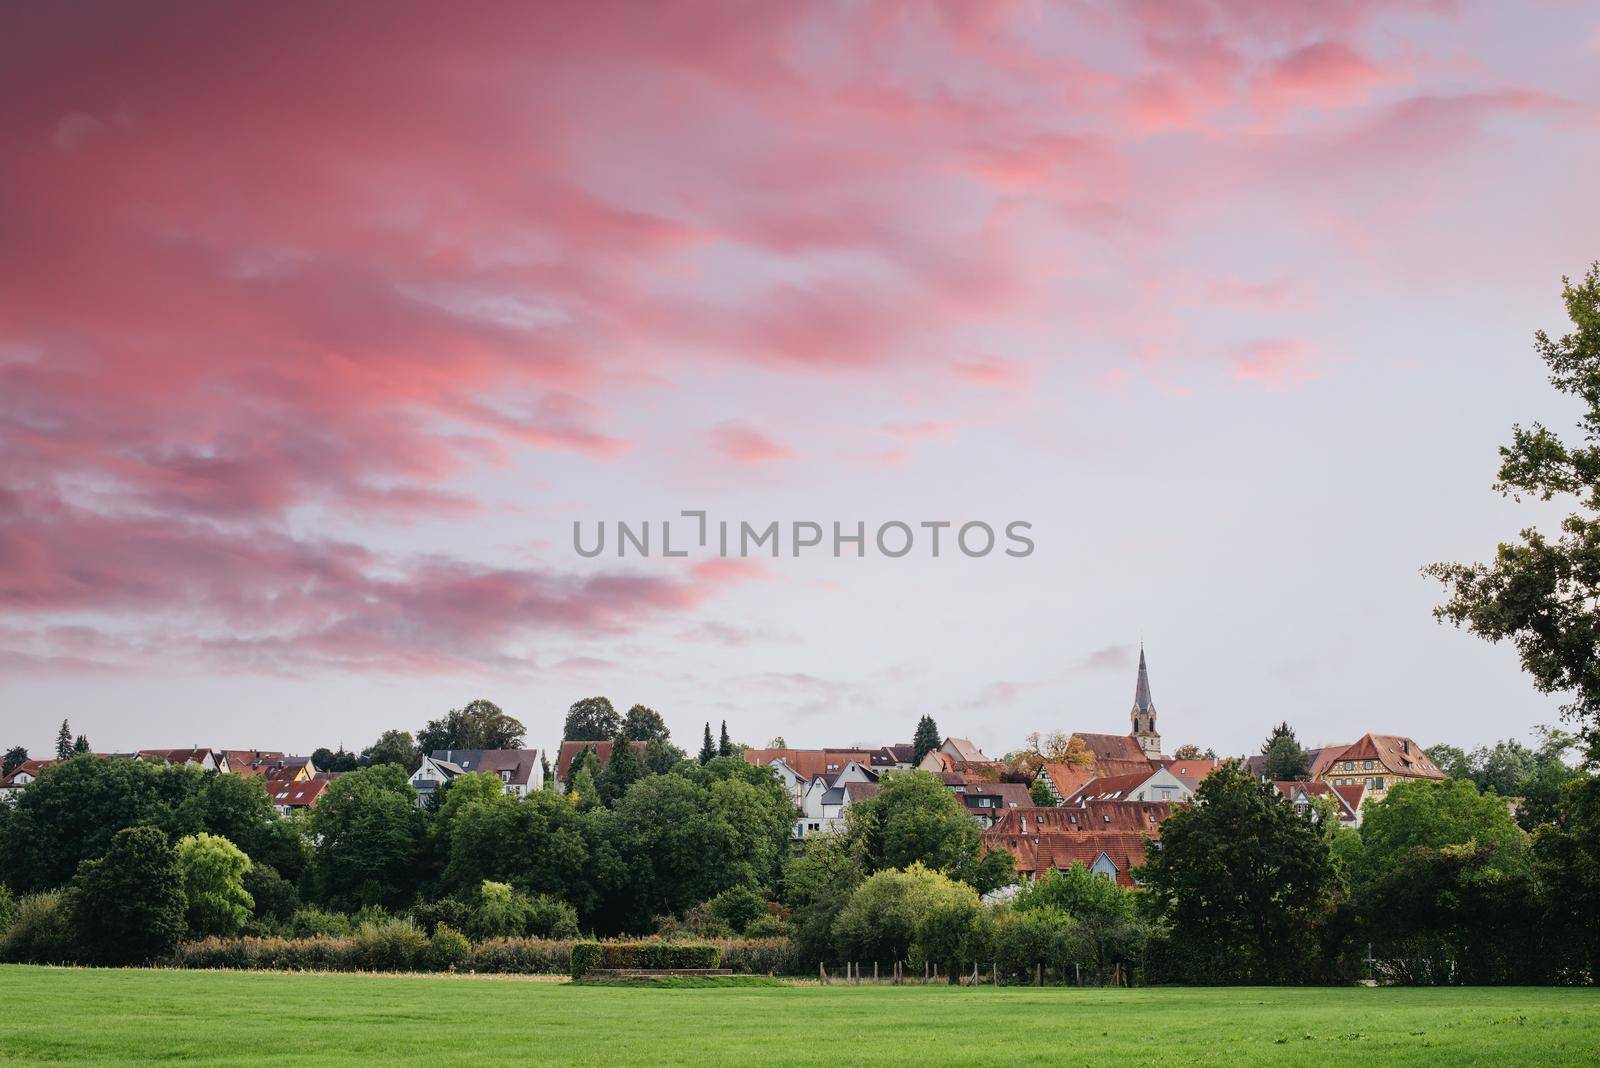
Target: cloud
(746, 445)
(1110, 658)
(1274, 363)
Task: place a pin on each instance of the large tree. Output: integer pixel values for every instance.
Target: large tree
(128, 905)
(1424, 814)
(915, 818)
(1285, 759)
(1542, 593)
(213, 870)
(368, 829)
(591, 719)
(394, 747)
(708, 748)
(542, 844)
(924, 740)
(15, 757)
(479, 725)
(64, 742)
(1242, 880)
(621, 771)
(643, 724)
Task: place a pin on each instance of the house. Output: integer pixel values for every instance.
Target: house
(269, 764)
(295, 795)
(1063, 780)
(953, 750)
(1303, 795)
(797, 767)
(1109, 838)
(21, 775)
(1376, 762)
(520, 770)
(1149, 785)
(988, 801)
(1192, 772)
(207, 759)
(823, 803)
(602, 750)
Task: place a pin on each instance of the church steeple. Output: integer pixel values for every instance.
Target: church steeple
(1144, 712)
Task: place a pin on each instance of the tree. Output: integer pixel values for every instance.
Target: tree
(1450, 759)
(621, 771)
(392, 747)
(541, 844)
(777, 742)
(1078, 753)
(661, 756)
(924, 740)
(1285, 758)
(335, 759)
(915, 819)
(1539, 593)
(1242, 880)
(368, 829)
(816, 884)
(80, 745)
(724, 746)
(212, 870)
(1186, 752)
(1566, 859)
(15, 757)
(127, 906)
(583, 787)
(591, 719)
(480, 725)
(708, 749)
(1106, 914)
(1432, 814)
(643, 724)
(64, 742)
(1040, 792)
(880, 921)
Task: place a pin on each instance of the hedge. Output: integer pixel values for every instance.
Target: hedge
(507, 956)
(587, 956)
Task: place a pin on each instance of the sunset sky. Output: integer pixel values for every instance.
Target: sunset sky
(321, 325)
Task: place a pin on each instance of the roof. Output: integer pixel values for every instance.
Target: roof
(30, 768)
(1141, 689)
(1011, 795)
(1110, 787)
(1067, 778)
(249, 762)
(887, 756)
(1397, 754)
(1191, 772)
(520, 763)
(301, 794)
(1347, 812)
(965, 749)
(569, 752)
(858, 791)
(806, 763)
(1114, 754)
(1143, 817)
(1039, 853)
(179, 756)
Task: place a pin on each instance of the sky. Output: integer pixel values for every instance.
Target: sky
(321, 326)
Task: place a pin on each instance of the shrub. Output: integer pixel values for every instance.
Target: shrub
(213, 869)
(551, 917)
(275, 897)
(1044, 936)
(390, 946)
(313, 923)
(762, 956)
(587, 956)
(450, 911)
(41, 932)
(8, 909)
(737, 906)
(522, 956)
(768, 925)
(448, 950)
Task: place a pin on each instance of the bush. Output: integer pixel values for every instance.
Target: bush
(275, 896)
(212, 871)
(315, 923)
(390, 946)
(738, 906)
(449, 911)
(41, 932)
(522, 956)
(448, 950)
(8, 909)
(586, 956)
(551, 917)
(762, 956)
(768, 925)
(1044, 936)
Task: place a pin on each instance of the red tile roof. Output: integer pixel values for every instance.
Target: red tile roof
(1398, 755)
(302, 794)
(1038, 854)
(31, 768)
(1067, 778)
(1144, 817)
(602, 750)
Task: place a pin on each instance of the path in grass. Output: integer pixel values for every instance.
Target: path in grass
(122, 1017)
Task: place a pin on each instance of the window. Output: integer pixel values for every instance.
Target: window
(1377, 784)
(1366, 765)
(1349, 765)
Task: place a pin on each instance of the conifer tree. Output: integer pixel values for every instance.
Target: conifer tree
(64, 742)
(724, 747)
(707, 749)
(925, 740)
(80, 746)
(621, 772)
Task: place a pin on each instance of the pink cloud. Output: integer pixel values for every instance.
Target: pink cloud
(1273, 363)
(1324, 74)
(746, 445)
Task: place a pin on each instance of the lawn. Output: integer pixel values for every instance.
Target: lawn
(52, 1015)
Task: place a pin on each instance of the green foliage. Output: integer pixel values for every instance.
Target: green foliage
(275, 897)
(480, 725)
(212, 871)
(1040, 792)
(8, 909)
(457, 795)
(880, 920)
(40, 932)
(1106, 914)
(816, 884)
(390, 946)
(915, 819)
(1242, 880)
(64, 742)
(591, 719)
(955, 932)
(1047, 938)
(15, 757)
(925, 740)
(739, 906)
(448, 950)
(1543, 594)
(392, 747)
(587, 956)
(621, 771)
(708, 748)
(128, 905)
(369, 833)
(1433, 814)
(643, 724)
(724, 745)
(661, 756)
(1285, 759)
(316, 923)
(541, 844)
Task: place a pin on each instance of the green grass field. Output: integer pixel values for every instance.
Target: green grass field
(50, 1015)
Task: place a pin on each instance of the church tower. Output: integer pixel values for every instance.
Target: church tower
(1144, 713)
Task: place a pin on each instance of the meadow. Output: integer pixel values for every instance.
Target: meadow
(113, 1016)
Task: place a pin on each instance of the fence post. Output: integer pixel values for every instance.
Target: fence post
(874, 971)
(822, 973)
(1038, 974)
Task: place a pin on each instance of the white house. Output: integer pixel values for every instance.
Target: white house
(1158, 784)
(521, 770)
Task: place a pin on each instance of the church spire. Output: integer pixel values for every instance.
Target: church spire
(1144, 713)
